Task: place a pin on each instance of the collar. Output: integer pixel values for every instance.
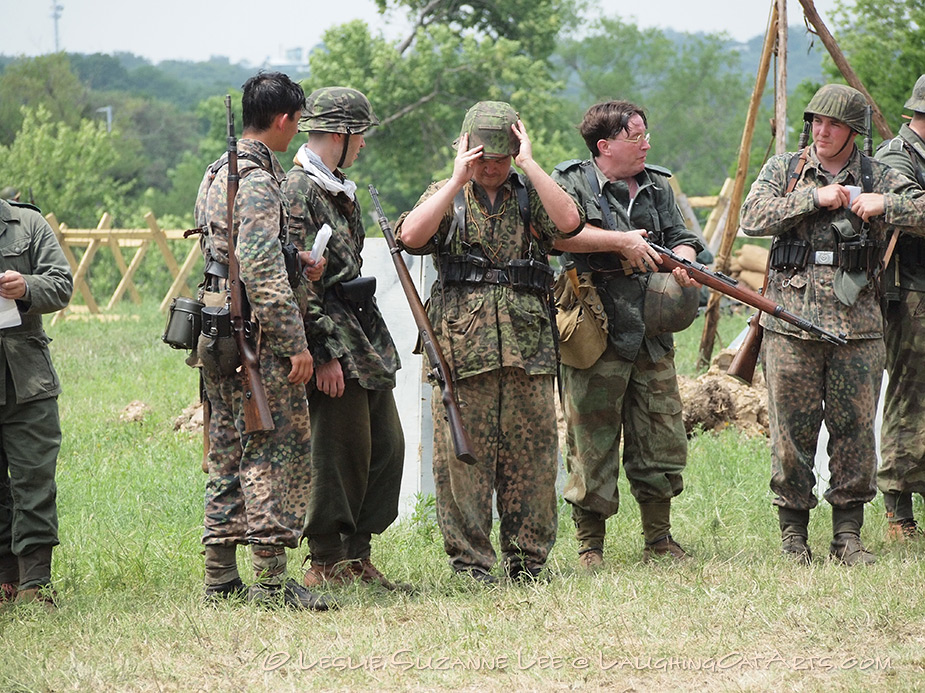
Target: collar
(315, 168)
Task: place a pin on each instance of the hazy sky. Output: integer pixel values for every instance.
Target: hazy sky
(259, 30)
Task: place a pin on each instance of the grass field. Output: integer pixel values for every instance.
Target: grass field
(738, 618)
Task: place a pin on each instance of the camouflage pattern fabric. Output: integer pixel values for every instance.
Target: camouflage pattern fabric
(332, 327)
(902, 437)
(808, 292)
(510, 417)
(257, 490)
(337, 109)
(358, 447)
(484, 327)
(489, 123)
(654, 209)
(29, 423)
(841, 102)
(916, 102)
(638, 401)
(801, 374)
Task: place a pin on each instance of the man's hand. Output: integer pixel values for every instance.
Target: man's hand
(867, 205)
(832, 196)
(312, 270)
(330, 378)
(680, 274)
(302, 367)
(633, 246)
(462, 165)
(525, 153)
(12, 285)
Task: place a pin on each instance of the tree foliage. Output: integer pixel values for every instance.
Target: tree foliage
(46, 81)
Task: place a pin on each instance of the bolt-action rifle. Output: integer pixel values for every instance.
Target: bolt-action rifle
(257, 414)
(440, 371)
(732, 288)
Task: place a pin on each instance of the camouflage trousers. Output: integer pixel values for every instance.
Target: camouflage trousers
(902, 438)
(257, 490)
(811, 381)
(510, 417)
(358, 455)
(639, 401)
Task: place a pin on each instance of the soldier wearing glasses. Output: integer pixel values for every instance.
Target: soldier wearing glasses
(632, 390)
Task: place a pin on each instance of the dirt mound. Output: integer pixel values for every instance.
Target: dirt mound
(190, 419)
(715, 400)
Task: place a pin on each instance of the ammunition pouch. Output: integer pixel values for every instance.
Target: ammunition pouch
(529, 275)
(217, 349)
(862, 255)
(293, 263)
(183, 323)
(359, 295)
(911, 251)
(789, 254)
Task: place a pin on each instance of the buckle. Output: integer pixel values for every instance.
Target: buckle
(824, 257)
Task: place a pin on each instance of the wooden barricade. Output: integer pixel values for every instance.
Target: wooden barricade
(117, 240)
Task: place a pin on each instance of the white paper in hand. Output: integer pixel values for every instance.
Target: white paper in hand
(9, 313)
(321, 242)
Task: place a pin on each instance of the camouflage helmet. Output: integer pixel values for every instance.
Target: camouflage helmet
(488, 123)
(9, 193)
(337, 109)
(840, 102)
(668, 306)
(916, 102)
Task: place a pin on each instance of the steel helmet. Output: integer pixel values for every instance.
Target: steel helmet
(916, 102)
(488, 123)
(668, 306)
(337, 109)
(841, 102)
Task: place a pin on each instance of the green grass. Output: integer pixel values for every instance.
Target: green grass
(129, 575)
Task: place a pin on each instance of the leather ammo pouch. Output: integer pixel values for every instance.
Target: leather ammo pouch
(862, 255)
(293, 263)
(358, 293)
(789, 254)
(217, 349)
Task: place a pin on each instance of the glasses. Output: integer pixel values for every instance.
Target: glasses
(634, 140)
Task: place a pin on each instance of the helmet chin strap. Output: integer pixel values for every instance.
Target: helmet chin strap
(848, 141)
(343, 154)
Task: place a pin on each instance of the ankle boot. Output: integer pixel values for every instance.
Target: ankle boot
(35, 568)
(794, 532)
(846, 544)
(656, 528)
(590, 530)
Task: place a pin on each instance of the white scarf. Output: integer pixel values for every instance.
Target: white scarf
(322, 175)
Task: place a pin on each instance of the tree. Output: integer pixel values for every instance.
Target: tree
(67, 168)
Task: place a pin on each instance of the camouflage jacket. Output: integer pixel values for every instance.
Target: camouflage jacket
(333, 328)
(908, 272)
(260, 213)
(653, 209)
(809, 292)
(482, 327)
(28, 246)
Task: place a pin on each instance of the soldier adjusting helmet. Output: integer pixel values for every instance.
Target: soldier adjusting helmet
(488, 123)
(337, 109)
(842, 103)
(916, 102)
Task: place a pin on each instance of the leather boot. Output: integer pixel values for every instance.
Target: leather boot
(222, 578)
(846, 544)
(794, 532)
(902, 525)
(656, 528)
(590, 530)
(35, 578)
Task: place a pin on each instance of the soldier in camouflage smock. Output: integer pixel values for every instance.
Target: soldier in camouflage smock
(902, 438)
(632, 390)
(357, 440)
(34, 273)
(825, 254)
(257, 491)
(489, 230)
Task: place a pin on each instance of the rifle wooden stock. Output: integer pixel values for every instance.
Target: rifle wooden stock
(732, 288)
(257, 414)
(440, 371)
(742, 366)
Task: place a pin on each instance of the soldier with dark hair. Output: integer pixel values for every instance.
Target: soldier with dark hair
(824, 260)
(35, 275)
(902, 438)
(631, 391)
(258, 483)
(357, 440)
(489, 230)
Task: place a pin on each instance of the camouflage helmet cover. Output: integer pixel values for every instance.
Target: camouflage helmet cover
(916, 102)
(668, 306)
(842, 103)
(488, 123)
(337, 109)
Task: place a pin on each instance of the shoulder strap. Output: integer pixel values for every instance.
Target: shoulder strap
(606, 211)
(915, 158)
(795, 169)
(867, 173)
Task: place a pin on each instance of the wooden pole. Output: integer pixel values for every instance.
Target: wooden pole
(780, 90)
(711, 317)
(809, 11)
